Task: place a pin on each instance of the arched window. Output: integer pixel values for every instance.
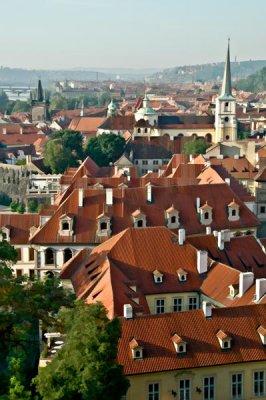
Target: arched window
(140, 223)
(139, 130)
(226, 119)
(49, 256)
(206, 215)
(103, 226)
(65, 226)
(227, 137)
(145, 130)
(49, 274)
(208, 138)
(173, 219)
(67, 255)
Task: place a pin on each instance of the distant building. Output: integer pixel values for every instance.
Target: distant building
(39, 106)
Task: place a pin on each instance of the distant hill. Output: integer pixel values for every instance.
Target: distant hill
(207, 72)
(254, 83)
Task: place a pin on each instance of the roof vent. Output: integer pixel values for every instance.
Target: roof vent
(245, 281)
(262, 332)
(128, 311)
(207, 309)
(208, 230)
(202, 261)
(181, 236)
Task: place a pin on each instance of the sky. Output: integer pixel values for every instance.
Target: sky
(65, 34)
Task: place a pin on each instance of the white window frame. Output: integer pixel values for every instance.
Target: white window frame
(237, 384)
(178, 305)
(153, 393)
(258, 382)
(192, 303)
(159, 306)
(184, 393)
(209, 387)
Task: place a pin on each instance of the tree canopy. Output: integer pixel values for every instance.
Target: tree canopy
(198, 146)
(105, 149)
(85, 368)
(63, 149)
(253, 83)
(23, 302)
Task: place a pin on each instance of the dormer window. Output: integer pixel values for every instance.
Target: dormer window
(233, 290)
(66, 225)
(205, 213)
(182, 275)
(157, 276)
(180, 344)
(233, 211)
(104, 225)
(224, 340)
(5, 234)
(262, 332)
(172, 217)
(98, 186)
(139, 219)
(136, 349)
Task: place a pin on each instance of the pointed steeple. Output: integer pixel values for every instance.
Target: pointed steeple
(40, 96)
(146, 100)
(227, 85)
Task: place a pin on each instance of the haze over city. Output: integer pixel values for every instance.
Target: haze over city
(65, 34)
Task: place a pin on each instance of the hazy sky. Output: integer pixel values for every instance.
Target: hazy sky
(129, 33)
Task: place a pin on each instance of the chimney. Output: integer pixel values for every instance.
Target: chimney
(109, 197)
(181, 236)
(236, 156)
(28, 159)
(21, 130)
(227, 180)
(197, 203)
(149, 192)
(220, 157)
(220, 241)
(81, 195)
(245, 281)
(260, 288)
(215, 233)
(4, 131)
(191, 158)
(226, 235)
(128, 311)
(202, 261)
(208, 230)
(207, 309)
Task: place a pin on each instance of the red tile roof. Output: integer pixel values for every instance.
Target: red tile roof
(19, 225)
(203, 349)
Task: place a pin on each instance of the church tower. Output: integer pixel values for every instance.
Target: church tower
(39, 106)
(225, 113)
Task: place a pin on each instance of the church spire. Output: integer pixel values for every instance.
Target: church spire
(40, 96)
(227, 85)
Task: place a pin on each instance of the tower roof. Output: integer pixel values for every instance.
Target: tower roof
(40, 96)
(227, 85)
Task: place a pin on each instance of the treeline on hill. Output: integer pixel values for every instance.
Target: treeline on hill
(254, 83)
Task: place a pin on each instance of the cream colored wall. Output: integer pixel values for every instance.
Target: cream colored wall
(168, 297)
(169, 381)
(188, 132)
(25, 264)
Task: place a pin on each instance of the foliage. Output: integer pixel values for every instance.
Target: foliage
(19, 106)
(85, 368)
(64, 149)
(198, 146)
(243, 135)
(14, 206)
(104, 99)
(3, 101)
(105, 148)
(21, 162)
(254, 83)
(23, 302)
(33, 205)
(5, 200)
(21, 208)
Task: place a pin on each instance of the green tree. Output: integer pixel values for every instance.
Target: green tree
(85, 368)
(64, 149)
(21, 208)
(104, 99)
(198, 146)
(33, 206)
(20, 106)
(105, 148)
(14, 206)
(23, 303)
(59, 102)
(3, 101)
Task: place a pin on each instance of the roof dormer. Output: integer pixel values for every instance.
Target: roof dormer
(182, 275)
(103, 225)
(136, 349)
(157, 276)
(224, 340)
(180, 344)
(172, 218)
(66, 225)
(139, 219)
(205, 213)
(98, 186)
(233, 290)
(233, 211)
(262, 332)
(5, 233)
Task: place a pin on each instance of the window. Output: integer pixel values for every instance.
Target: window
(65, 226)
(49, 257)
(136, 162)
(208, 388)
(67, 255)
(159, 306)
(206, 215)
(226, 119)
(140, 223)
(258, 383)
(18, 272)
(4, 236)
(177, 304)
(262, 209)
(19, 254)
(237, 386)
(138, 354)
(31, 273)
(144, 162)
(155, 162)
(173, 219)
(184, 389)
(145, 130)
(103, 226)
(192, 303)
(233, 213)
(138, 130)
(153, 391)
(31, 254)
(143, 171)
(158, 279)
